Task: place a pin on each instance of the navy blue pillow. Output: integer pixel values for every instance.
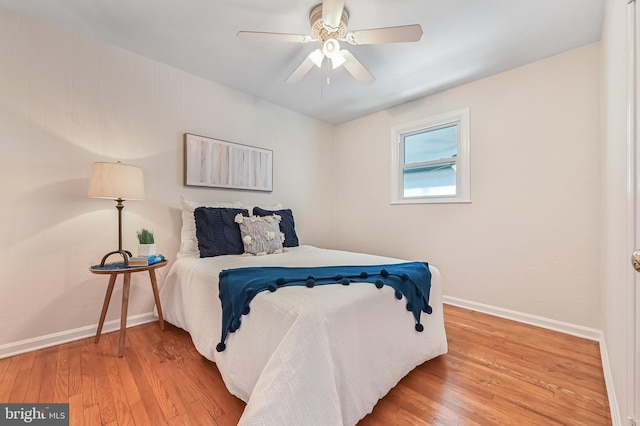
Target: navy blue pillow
(287, 226)
(216, 231)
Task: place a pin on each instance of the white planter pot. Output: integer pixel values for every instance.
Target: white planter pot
(146, 249)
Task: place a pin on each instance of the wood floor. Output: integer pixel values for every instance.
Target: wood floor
(497, 372)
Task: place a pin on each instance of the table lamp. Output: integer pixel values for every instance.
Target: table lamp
(119, 182)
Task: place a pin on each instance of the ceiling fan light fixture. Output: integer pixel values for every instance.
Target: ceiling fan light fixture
(316, 57)
(331, 48)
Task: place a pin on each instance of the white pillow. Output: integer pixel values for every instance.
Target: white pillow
(277, 206)
(188, 240)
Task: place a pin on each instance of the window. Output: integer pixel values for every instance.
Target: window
(431, 160)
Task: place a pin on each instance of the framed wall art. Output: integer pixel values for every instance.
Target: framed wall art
(221, 164)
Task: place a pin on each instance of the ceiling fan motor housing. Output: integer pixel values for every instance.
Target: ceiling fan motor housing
(320, 32)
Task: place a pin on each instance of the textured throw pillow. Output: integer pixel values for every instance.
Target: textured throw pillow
(287, 225)
(188, 240)
(217, 232)
(260, 235)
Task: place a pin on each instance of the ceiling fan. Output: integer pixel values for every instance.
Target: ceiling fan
(329, 26)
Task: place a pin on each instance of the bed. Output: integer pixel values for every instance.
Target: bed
(312, 356)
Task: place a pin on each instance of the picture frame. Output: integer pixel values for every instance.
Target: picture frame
(216, 163)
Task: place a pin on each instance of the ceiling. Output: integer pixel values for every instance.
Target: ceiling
(463, 40)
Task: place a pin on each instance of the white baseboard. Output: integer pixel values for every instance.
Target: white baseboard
(608, 380)
(562, 327)
(54, 339)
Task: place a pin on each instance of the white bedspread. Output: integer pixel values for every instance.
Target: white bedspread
(321, 356)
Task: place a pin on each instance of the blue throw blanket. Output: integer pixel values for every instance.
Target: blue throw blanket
(238, 287)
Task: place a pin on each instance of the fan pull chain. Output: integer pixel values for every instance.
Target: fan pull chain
(325, 75)
(321, 83)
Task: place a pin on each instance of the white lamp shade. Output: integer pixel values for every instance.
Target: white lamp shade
(116, 180)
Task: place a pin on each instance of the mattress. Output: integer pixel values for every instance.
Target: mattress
(320, 356)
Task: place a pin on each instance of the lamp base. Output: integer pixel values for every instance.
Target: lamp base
(126, 254)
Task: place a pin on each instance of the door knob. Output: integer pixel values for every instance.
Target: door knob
(635, 260)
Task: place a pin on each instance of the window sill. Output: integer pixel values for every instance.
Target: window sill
(432, 201)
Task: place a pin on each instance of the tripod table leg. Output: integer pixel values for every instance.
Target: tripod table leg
(105, 305)
(123, 312)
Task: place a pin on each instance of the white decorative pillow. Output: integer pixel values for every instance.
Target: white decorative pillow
(260, 235)
(188, 240)
(277, 206)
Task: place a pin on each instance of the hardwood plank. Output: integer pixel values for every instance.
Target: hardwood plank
(76, 410)
(121, 403)
(530, 366)
(180, 420)
(131, 392)
(522, 401)
(149, 401)
(74, 384)
(162, 386)
(32, 391)
(528, 386)
(9, 377)
(61, 386)
(524, 335)
(497, 372)
(4, 366)
(473, 402)
(21, 375)
(421, 404)
(102, 373)
(49, 374)
(89, 391)
(529, 352)
(197, 414)
(91, 415)
(206, 377)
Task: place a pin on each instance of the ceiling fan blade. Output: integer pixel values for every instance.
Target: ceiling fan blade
(304, 67)
(260, 36)
(356, 69)
(331, 13)
(403, 33)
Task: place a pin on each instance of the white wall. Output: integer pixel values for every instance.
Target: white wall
(529, 241)
(67, 101)
(615, 251)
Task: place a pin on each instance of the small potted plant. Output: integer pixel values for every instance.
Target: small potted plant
(146, 246)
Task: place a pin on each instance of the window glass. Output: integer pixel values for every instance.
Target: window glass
(431, 144)
(429, 181)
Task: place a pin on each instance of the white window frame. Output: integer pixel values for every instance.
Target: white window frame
(459, 117)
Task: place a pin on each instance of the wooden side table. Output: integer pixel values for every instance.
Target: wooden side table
(113, 270)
